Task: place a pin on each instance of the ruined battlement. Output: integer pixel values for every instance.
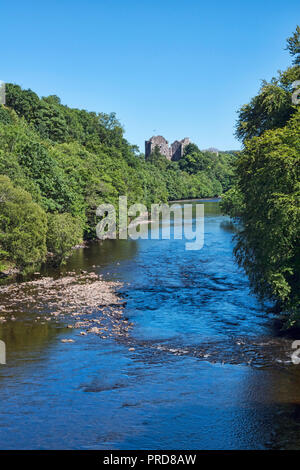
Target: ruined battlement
(173, 152)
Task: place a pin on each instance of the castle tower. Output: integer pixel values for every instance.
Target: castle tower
(160, 142)
(177, 148)
(174, 152)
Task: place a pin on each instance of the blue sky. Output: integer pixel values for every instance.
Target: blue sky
(170, 67)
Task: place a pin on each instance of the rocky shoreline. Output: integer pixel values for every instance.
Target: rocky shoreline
(86, 301)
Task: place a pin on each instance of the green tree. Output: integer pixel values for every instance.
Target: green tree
(266, 194)
(194, 160)
(23, 226)
(72, 160)
(64, 232)
(270, 109)
(293, 46)
(268, 246)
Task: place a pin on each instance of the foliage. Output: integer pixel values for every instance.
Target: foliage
(271, 108)
(70, 161)
(266, 194)
(232, 202)
(268, 247)
(293, 46)
(23, 225)
(64, 232)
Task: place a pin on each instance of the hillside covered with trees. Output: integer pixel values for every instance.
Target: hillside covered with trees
(57, 164)
(266, 196)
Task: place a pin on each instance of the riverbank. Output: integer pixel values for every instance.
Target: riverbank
(11, 271)
(85, 301)
(209, 199)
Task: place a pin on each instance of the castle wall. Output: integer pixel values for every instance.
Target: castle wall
(161, 143)
(177, 148)
(174, 152)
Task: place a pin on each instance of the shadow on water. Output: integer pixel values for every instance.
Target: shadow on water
(97, 254)
(229, 226)
(27, 341)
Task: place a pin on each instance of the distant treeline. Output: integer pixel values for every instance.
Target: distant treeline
(266, 195)
(58, 164)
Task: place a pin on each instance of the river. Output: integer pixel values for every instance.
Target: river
(203, 366)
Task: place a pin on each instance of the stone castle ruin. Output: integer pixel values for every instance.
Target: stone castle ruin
(173, 152)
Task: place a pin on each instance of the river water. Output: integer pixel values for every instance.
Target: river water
(202, 368)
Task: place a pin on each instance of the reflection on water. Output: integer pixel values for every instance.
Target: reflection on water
(27, 335)
(228, 226)
(99, 254)
(202, 368)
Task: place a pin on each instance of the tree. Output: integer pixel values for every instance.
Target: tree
(194, 160)
(266, 195)
(267, 202)
(272, 107)
(72, 160)
(64, 232)
(293, 46)
(157, 159)
(23, 226)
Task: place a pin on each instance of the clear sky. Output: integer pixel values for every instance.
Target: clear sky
(171, 67)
